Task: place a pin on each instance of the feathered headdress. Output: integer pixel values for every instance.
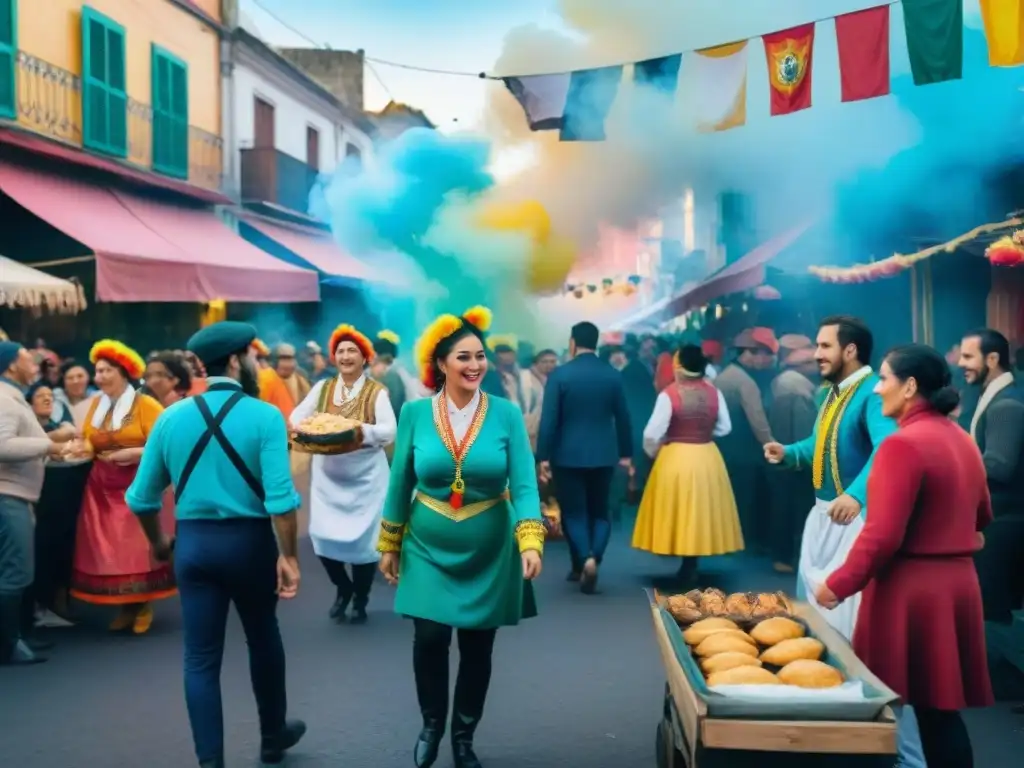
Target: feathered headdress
(390, 336)
(118, 354)
(503, 340)
(346, 332)
(444, 326)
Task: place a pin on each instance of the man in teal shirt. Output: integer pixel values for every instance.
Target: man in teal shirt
(226, 454)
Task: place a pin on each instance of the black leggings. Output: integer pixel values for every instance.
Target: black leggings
(431, 645)
(944, 738)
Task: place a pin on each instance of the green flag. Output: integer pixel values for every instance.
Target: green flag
(935, 39)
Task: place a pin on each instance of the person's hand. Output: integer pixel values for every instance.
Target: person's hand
(388, 566)
(64, 433)
(825, 597)
(544, 471)
(626, 463)
(844, 510)
(57, 451)
(287, 577)
(163, 548)
(124, 457)
(774, 453)
(532, 564)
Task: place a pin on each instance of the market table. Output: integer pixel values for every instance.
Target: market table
(687, 737)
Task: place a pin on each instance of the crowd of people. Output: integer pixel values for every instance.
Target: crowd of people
(467, 462)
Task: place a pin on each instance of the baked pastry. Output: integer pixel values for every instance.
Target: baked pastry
(724, 642)
(740, 604)
(743, 676)
(723, 661)
(768, 604)
(700, 631)
(774, 630)
(712, 602)
(781, 654)
(683, 609)
(807, 673)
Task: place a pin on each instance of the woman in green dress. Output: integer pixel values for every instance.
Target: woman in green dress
(462, 535)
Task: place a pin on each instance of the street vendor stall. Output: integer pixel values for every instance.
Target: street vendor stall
(730, 720)
(21, 286)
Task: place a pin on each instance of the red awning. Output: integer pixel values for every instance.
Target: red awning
(153, 251)
(52, 149)
(745, 273)
(318, 248)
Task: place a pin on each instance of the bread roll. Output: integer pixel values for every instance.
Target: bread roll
(682, 608)
(713, 602)
(723, 661)
(725, 642)
(807, 673)
(706, 627)
(716, 621)
(739, 604)
(787, 651)
(695, 637)
(743, 676)
(775, 630)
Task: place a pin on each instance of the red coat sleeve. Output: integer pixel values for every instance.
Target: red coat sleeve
(893, 485)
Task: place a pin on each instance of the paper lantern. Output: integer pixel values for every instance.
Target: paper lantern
(1007, 251)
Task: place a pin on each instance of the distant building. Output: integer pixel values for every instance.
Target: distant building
(396, 118)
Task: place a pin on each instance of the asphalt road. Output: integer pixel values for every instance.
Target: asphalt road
(580, 685)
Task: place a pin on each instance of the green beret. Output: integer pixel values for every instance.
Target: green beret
(220, 340)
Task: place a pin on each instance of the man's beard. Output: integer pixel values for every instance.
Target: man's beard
(248, 379)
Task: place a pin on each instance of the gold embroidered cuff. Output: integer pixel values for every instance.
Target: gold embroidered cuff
(530, 535)
(390, 537)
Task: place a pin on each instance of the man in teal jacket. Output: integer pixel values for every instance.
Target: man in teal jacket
(226, 454)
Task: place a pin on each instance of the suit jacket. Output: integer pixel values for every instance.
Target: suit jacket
(638, 380)
(584, 420)
(1000, 438)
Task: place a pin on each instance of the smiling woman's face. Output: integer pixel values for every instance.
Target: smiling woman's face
(464, 367)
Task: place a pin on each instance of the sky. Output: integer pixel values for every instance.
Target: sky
(468, 35)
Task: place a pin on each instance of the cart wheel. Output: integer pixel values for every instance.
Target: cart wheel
(660, 748)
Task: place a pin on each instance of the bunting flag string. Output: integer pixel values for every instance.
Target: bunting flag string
(577, 104)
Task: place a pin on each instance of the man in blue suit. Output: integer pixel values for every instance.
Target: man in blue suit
(584, 433)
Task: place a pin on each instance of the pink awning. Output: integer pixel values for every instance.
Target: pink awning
(745, 273)
(154, 251)
(316, 247)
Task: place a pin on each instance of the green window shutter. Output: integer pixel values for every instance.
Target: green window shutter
(170, 114)
(104, 97)
(8, 58)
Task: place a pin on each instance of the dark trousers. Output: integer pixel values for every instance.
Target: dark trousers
(749, 479)
(356, 587)
(944, 739)
(16, 569)
(583, 498)
(430, 651)
(792, 496)
(1001, 568)
(217, 563)
(56, 524)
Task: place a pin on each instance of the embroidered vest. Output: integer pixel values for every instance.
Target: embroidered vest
(362, 407)
(694, 411)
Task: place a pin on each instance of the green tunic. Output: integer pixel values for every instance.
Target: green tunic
(463, 567)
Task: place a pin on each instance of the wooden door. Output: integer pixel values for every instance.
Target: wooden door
(263, 125)
(312, 148)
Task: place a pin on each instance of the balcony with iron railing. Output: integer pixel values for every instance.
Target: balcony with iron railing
(49, 103)
(271, 176)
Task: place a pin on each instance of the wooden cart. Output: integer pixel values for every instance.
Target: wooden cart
(688, 737)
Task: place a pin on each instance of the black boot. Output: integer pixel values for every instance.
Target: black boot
(471, 686)
(463, 729)
(13, 651)
(273, 747)
(362, 581)
(337, 612)
(430, 665)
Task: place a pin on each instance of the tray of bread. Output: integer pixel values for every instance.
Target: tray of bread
(751, 655)
(328, 433)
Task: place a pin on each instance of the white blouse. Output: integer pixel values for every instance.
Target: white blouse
(461, 418)
(657, 425)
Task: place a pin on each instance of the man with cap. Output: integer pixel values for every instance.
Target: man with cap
(24, 448)
(288, 369)
(743, 448)
(791, 417)
(226, 454)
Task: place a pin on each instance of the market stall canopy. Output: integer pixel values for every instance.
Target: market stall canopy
(745, 273)
(22, 286)
(151, 250)
(318, 250)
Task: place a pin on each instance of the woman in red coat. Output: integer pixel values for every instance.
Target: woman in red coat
(920, 627)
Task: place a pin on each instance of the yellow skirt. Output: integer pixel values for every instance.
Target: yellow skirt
(688, 509)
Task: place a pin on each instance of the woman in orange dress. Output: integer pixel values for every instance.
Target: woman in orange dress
(113, 563)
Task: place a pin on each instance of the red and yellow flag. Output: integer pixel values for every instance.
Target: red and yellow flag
(790, 56)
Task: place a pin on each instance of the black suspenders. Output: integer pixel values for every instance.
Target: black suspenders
(214, 431)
